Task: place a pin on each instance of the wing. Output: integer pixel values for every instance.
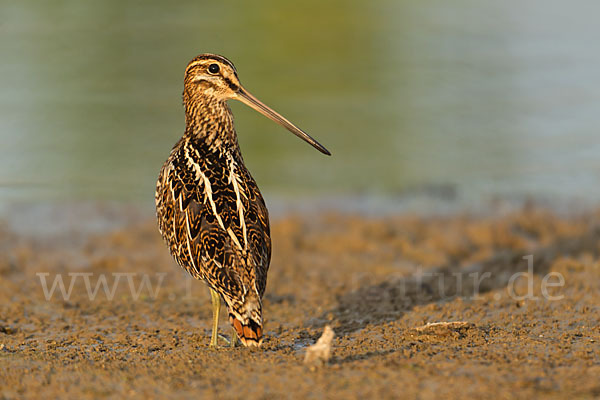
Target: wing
(215, 221)
(258, 231)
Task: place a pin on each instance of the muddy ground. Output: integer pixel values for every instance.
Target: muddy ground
(376, 281)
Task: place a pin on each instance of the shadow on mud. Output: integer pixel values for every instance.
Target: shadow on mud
(389, 300)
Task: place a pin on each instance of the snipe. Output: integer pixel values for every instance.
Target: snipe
(209, 209)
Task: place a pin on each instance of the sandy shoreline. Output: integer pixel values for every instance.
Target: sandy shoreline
(376, 280)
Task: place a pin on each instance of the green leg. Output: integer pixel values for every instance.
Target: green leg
(216, 305)
(234, 337)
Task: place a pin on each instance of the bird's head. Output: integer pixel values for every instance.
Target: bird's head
(210, 77)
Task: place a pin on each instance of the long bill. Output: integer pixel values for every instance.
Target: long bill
(251, 101)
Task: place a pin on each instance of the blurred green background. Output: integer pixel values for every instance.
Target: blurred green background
(468, 97)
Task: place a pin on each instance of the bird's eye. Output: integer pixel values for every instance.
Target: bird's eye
(213, 68)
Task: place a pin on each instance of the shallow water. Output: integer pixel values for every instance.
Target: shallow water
(465, 97)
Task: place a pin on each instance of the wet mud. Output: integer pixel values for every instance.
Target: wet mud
(498, 306)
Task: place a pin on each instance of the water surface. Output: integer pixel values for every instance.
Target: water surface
(466, 97)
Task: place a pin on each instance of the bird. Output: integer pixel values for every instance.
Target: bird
(210, 211)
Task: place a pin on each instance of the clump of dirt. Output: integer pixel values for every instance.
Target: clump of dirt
(455, 306)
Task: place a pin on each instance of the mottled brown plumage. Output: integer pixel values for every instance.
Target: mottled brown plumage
(209, 209)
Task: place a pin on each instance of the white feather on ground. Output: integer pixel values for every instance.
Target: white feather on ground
(319, 353)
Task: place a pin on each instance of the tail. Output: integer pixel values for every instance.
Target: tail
(250, 334)
(247, 320)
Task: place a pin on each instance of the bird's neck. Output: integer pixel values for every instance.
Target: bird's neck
(209, 123)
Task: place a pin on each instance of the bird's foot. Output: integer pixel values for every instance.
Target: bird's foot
(235, 342)
(227, 342)
(214, 341)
